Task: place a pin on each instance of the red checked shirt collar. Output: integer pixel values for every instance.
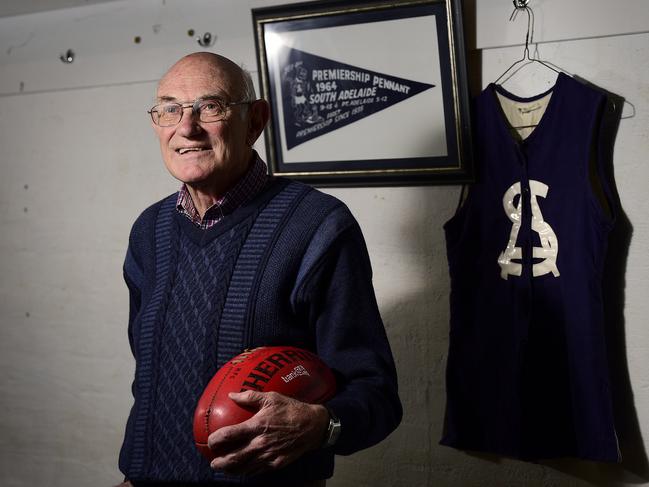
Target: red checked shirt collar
(247, 187)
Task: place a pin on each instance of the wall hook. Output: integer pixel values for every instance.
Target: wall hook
(207, 40)
(68, 57)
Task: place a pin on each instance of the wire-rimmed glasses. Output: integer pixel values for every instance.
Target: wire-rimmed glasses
(168, 114)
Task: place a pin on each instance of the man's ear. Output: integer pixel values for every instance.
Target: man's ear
(259, 112)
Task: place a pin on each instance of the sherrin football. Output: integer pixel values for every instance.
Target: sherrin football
(291, 371)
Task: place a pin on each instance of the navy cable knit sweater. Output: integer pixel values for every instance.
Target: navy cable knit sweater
(288, 268)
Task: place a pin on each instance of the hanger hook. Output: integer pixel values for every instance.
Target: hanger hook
(529, 35)
(518, 5)
(530, 31)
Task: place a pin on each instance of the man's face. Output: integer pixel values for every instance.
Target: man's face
(215, 154)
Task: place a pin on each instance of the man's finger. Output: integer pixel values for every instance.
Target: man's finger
(232, 437)
(247, 459)
(234, 463)
(248, 398)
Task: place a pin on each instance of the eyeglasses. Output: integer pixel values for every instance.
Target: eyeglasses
(209, 110)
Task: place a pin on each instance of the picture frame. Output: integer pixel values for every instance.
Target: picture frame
(365, 92)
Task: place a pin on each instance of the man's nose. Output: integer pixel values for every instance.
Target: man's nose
(189, 123)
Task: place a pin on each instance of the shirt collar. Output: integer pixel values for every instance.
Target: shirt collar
(246, 188)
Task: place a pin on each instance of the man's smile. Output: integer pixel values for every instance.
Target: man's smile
(187, 150)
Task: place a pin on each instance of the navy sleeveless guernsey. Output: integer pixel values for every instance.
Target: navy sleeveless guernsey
(527, 372)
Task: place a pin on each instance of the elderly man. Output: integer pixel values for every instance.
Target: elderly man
(236, 260)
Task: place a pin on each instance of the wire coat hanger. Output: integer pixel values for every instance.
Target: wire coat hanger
(518, 6)
(529, 39)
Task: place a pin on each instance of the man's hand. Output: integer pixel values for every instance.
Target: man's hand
(282, 430)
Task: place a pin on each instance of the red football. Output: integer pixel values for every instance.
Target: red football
(291, 371)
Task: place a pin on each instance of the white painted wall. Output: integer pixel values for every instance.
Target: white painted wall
(72, 182)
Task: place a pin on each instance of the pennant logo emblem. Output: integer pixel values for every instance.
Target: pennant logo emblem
(320, 95)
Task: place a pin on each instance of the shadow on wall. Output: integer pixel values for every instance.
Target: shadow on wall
(417, 324)
(422, 319)
(634, 467)
(634, 456)
(473, 54)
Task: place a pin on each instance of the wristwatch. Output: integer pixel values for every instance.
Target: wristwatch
(333, 430)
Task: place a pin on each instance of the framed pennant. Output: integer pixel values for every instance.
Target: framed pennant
(365, 93)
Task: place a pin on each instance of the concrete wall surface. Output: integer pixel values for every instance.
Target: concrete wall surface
(79, 162)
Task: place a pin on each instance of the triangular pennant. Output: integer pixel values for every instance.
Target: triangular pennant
(320, 95)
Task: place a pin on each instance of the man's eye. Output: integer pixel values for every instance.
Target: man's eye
(169, 109)
(211, 107)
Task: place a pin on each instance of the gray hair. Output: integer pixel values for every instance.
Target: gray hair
(248, 86)
(248, 90)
